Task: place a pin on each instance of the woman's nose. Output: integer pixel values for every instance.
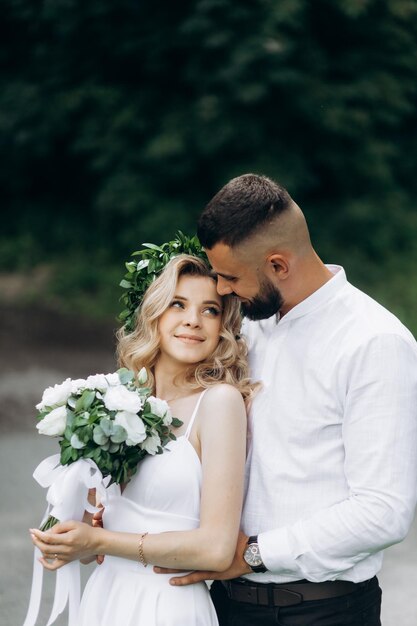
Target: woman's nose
(192, 318)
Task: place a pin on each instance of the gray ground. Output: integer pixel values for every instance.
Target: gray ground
(44, 348)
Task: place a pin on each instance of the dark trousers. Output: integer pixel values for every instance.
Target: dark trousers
(360, 608)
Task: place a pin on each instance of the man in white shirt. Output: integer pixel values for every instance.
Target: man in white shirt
(332, 455)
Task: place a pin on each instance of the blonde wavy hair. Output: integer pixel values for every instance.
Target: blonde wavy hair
(140, 348)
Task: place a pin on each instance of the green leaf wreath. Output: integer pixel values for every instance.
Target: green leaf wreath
(141, 273)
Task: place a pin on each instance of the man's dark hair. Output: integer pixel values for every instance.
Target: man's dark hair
(242, 206)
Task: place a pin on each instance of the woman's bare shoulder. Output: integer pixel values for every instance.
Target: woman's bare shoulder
(223, 392)
(223, 399)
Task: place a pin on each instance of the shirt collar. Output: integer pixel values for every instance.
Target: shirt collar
(319, 297)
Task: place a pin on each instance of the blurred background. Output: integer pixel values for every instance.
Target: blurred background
(120, 120)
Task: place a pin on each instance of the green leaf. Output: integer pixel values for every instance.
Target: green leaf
(76, 442)
(85, 433)
(125, 375)
(66, 455)
(142, 264)
(125, 284)
(79, 404)
(97, 455)
(88, 398)
(152, 246)
(106, 426)
(99, 437)
(119, 434)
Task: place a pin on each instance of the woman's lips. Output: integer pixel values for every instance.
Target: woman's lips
(189, 338)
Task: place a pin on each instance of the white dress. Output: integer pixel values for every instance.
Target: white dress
(163, 495)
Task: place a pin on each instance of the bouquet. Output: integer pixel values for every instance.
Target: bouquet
(111, 419)
(106, 424)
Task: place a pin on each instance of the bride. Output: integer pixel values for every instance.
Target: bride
(182, 508)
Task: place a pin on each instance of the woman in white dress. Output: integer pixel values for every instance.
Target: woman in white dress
(182, 508)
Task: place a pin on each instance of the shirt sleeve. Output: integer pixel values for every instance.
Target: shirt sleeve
(380, 440)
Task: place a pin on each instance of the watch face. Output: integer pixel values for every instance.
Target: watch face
(252, 555)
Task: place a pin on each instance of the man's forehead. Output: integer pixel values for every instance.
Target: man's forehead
(224, 261)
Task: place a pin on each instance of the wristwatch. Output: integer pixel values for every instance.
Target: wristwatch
(252, 555)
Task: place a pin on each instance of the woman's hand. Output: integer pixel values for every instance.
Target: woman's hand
(65, 542)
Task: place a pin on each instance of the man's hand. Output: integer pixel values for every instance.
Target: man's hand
(237, 568)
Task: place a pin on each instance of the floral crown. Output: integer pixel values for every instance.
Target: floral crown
(142, 273)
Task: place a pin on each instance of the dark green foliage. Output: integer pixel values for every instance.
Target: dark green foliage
(119, 121)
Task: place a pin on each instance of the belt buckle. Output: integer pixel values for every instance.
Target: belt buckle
(285, 597)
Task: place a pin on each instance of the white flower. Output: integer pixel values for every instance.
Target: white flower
(77, 385)
(133, 425)
(142, 376)
(113, 379)
(121, 399)
(98, 381)
(54, 423)
(161, 409)
(151, 443)
(56, 395)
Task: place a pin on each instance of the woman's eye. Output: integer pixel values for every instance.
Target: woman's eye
(211, 310)
(177, 304)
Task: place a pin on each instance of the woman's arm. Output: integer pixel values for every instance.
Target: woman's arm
(221, 432)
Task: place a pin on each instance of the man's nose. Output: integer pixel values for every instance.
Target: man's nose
(223, 287)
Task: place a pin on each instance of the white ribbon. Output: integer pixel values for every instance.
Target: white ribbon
(67, 499)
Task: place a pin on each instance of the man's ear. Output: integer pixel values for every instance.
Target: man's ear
(278, 266)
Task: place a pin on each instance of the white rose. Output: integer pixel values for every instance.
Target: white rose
(121, 399)
(151, 444)
(54, 423)
(113, 379)
(98, 381)
(133, 425)
(77, 385)
(56, 395)
(161, 409)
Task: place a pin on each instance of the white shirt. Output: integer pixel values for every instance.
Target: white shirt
(332, 460)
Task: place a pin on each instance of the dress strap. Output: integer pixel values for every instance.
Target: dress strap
(194, 415)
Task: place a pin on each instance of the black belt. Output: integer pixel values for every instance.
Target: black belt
(288, 594)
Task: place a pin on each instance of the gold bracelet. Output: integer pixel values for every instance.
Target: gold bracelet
(141, 555)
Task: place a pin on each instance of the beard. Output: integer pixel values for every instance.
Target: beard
(267, 302)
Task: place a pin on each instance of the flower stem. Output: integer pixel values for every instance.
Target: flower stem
(50, 522)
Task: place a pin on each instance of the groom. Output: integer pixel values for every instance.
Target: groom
(332, 458)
